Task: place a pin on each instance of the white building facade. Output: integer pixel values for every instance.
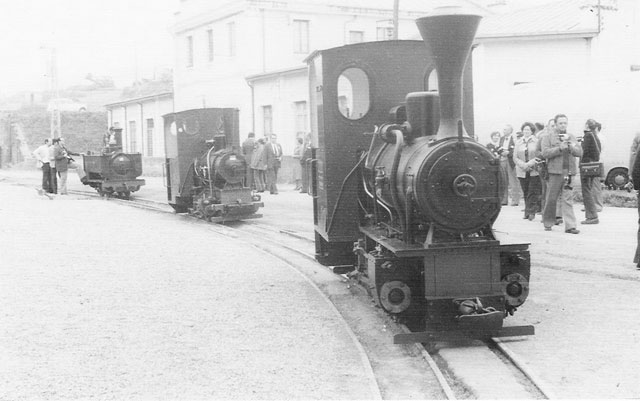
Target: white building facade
(576, 57)
(249, 54)
(142, 123)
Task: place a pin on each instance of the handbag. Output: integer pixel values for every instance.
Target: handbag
(592, 169)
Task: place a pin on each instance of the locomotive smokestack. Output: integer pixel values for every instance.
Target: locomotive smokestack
(448, 33)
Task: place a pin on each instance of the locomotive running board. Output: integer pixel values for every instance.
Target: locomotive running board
(431, 336)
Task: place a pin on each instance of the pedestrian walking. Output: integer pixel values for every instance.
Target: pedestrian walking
(527, 160)
(560, 149)
(259, 165)
(590, 153)
(542, 169)
(508, 142)
(53, 182)
(42, 156)
(247, 150)
(62, 165)
(73, 164)
(273, 151)
(597, 187)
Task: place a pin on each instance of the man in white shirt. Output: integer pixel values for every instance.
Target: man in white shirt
(42, 156)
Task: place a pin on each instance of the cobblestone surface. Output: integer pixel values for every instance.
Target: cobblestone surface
(147, 306)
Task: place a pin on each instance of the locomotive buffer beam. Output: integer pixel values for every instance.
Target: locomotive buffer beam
(477, 333)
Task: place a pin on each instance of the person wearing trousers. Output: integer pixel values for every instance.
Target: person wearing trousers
(560, 150)
(53, 182)
(590, 153)
(526, 158)
(42, 156)
(259, 165)
(247, 150)
(508, 142)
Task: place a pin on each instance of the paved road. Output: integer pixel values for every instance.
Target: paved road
(587, 342)
(147, 306)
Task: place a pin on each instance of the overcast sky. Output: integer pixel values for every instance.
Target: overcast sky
(117, 38)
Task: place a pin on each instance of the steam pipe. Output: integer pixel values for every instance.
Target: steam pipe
(393, 178)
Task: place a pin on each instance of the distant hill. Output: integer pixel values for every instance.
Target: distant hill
(82, 131)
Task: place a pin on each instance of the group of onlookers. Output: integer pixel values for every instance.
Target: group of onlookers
(264, 158)
(55, 161)
(539, 163)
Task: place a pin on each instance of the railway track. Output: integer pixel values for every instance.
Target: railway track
(296, 249)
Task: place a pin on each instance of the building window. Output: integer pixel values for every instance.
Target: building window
(356, 36)
(301, 117)
(150, 126)
(189, 51)
(384, 33)
(133, 146)
(210, 44)
(301, 36)
(267, 120)
(231, 36)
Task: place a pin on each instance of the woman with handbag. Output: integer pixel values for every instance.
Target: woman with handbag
(590, 171)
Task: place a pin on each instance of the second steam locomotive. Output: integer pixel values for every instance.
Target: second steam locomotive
(404, 198)
(113, 172)
(204, 169)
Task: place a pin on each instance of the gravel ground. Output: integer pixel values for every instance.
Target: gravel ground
(135, 309)
(581, 302)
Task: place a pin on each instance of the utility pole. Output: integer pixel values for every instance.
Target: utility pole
(54, 92)
(56, 128)
(396, 5)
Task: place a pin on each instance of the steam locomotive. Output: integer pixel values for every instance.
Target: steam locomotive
(204, 169)
(113, 172)
(404, 198)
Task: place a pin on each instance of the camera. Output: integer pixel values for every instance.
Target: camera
(563, 137)
(500, 150)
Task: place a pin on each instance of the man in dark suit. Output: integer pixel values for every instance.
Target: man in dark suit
(247, 150)
(274, 158)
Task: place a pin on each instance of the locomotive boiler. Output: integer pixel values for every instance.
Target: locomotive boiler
(113, 172)
(204, 169)
(404, 198)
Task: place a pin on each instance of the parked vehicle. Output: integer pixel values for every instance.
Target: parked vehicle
(66, 104)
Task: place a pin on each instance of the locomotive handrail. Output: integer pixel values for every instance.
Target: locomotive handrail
(344, 182)
(393, 180)
(376, 199)
(312, 190)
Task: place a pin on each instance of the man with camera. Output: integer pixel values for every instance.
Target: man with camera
(560, 149)
(590, 153)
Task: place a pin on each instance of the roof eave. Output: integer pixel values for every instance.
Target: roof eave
(276, 73)
(139, 99)
(584, 34)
